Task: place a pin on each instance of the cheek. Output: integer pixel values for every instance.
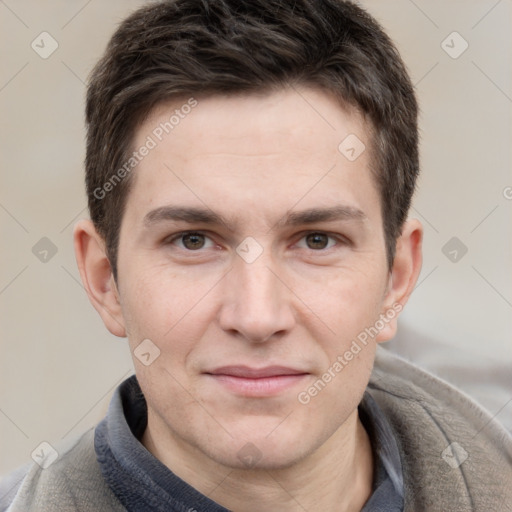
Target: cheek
(349, 306)
(346, 300)
(168, 308)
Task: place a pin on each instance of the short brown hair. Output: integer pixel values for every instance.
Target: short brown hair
(179, 48)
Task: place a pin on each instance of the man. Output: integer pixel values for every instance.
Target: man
(249, 169)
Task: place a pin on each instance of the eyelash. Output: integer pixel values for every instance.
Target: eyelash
(340, 240)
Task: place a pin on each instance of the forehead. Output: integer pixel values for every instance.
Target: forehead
(253, 151)
(310, 117)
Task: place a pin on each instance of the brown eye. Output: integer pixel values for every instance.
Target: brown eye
(317, 240)
(193, 241)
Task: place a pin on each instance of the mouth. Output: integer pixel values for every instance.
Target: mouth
(257, 382)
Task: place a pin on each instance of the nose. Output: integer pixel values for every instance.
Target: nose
(257, 304)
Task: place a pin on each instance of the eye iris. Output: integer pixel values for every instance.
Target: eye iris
(193, 241)
(317, 240)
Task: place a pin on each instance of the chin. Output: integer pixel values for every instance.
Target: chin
(261, 451)
(251, 458)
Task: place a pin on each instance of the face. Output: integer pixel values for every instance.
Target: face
(252, 255)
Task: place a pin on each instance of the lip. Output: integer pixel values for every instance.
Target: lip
(257, 382)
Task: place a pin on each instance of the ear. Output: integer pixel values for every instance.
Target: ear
(403, 276)
(97, 277)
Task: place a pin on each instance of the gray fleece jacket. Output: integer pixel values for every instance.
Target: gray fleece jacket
(455, 457)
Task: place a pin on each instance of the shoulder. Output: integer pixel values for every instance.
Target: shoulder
(451, 448)
(72, 482)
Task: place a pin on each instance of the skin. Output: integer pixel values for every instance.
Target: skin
(254, 160)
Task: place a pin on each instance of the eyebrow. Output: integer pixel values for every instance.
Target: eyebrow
(193, 215)
(333, 213)
(184, 214)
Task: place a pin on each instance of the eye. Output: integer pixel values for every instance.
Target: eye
(317, 241)
(192, 241)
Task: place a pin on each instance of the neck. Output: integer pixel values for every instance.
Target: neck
(336, 477)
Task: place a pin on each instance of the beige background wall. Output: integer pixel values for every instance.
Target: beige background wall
(59, 365)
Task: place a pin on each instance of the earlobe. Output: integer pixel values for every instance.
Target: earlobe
(403, 276)
(96, 275)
